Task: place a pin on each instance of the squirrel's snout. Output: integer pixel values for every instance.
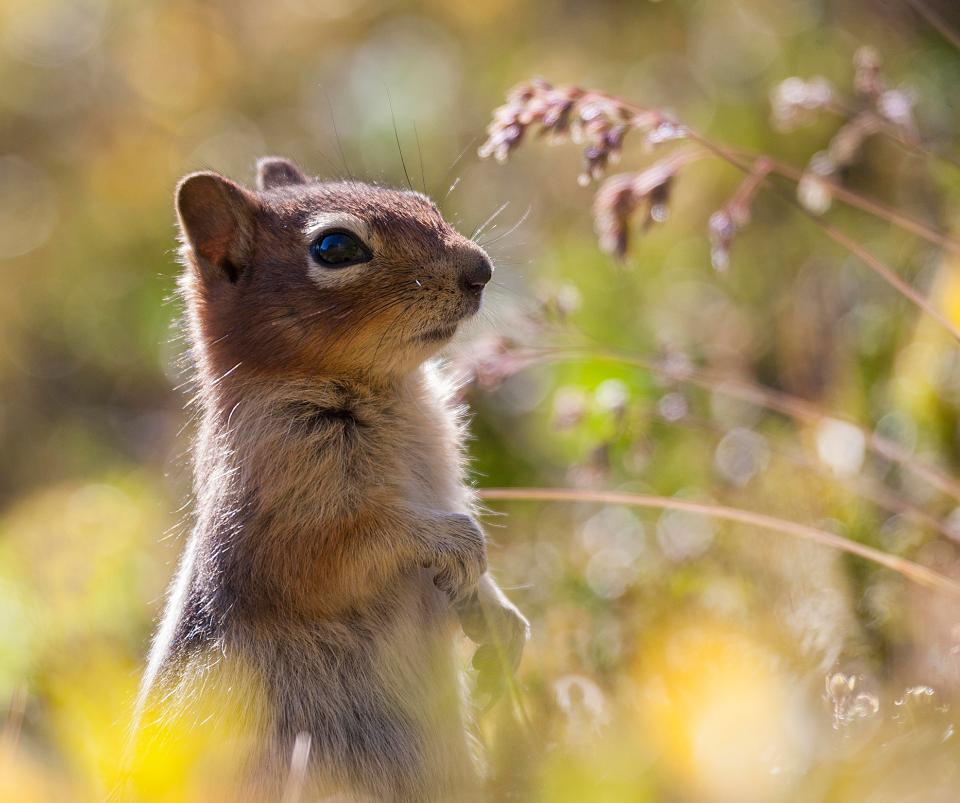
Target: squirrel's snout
(475, 274)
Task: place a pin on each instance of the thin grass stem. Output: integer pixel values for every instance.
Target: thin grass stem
(914, 572)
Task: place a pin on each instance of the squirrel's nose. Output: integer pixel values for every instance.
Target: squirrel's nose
(475, 274)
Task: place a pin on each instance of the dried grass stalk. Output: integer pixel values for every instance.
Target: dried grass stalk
(906, 568)
(568, 113)
(621, 197)
(601, 122)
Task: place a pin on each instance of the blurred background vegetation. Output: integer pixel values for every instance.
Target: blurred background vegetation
(674, 657)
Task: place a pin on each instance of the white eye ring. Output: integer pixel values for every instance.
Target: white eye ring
(329, 277)
(337, 221)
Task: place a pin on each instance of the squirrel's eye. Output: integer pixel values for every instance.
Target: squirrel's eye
(338, 250)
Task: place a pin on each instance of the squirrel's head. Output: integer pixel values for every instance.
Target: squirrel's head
(303, 277)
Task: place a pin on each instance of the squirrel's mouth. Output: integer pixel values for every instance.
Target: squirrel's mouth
(439, 334)
(447, 330)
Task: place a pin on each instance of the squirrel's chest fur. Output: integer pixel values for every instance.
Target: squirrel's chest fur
(312, 456)
(302, 479)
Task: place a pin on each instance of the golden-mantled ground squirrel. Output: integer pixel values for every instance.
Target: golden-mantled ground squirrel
(334, 547)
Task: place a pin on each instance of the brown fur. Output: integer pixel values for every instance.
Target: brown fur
(334, 541)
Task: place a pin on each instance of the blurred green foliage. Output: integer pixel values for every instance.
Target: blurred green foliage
(673, 657)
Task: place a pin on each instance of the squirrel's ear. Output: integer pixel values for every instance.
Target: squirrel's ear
(275, 171)
(217, 218)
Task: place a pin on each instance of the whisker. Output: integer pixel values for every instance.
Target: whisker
(511, 230)
(336, 134)
(335, 172)
(396, 135)
(423, 175)
(489, 220)
(462, 153)
(450, 169)
(450, 189)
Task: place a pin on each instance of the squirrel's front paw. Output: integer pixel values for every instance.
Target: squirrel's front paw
(461, 557)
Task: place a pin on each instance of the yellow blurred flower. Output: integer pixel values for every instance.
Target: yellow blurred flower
(719, 705)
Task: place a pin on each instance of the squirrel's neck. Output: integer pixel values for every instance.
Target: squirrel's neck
(222, 396)
(250, 428)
